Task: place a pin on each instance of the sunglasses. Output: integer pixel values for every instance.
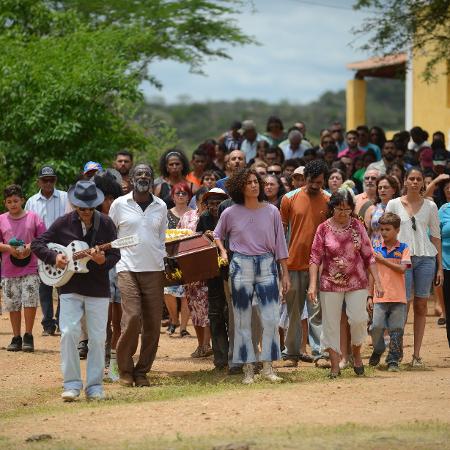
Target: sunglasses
(85, 209)
(413, 220)
(274, 172)
(181, 193)
(370, 178)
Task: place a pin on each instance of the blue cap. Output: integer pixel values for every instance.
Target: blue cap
(92, 165)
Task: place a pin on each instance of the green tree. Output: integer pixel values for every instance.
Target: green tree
(395, 26)
(71, 71)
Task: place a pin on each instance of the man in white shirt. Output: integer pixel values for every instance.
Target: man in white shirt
(251, 139)
(49, 204)
(140, 275)
(294, 147)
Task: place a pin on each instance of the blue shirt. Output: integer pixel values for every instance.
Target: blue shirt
(444, 218)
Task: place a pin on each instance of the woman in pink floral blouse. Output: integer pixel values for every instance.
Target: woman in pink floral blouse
(343, 249)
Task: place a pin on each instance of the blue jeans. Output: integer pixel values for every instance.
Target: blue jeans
(255, 275)
(73, 306)
(46, 299)
(420, 276)
(390, 316)
(295, 301)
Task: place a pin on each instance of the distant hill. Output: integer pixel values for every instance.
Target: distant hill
(195, 122)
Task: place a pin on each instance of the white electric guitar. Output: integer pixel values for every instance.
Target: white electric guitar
(77, 257)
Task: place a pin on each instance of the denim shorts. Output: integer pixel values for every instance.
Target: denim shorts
(419, 278)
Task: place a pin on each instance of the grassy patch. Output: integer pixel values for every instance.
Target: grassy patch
(164, 387)
(414, 436)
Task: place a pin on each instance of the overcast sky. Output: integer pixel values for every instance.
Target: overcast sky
(305, 46)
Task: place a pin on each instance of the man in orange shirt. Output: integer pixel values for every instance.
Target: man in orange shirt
(199, 160)
(302, 211)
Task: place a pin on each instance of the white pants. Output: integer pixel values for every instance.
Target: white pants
(331, 303)
(73, 307)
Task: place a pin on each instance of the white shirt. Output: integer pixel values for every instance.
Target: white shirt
(249, 148)
(291, 154)
(426, 219)
(48, 209)
(150, 226)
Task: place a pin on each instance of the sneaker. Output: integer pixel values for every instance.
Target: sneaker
(268, 373)
(83, 349)
(393, 367)
(70, 395)
(28, 343)
(95, 396)
(417, 362)
(374, 359)
(49, 331)
(16, 344)
(249, 374)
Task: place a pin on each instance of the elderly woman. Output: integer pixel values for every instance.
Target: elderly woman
(343, 249)
(256, 238)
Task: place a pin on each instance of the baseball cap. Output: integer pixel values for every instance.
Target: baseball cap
(92, 165)
(299, 171)
(46, 171)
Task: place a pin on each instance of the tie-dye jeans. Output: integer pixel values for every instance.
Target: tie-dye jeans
(255, 275)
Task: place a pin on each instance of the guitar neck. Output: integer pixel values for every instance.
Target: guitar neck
(82, 254)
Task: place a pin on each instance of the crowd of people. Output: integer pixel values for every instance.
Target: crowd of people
(319, 245)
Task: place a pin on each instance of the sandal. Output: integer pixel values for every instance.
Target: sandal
(324, 365)
(441, 321)
(184, 333)
(306, 358)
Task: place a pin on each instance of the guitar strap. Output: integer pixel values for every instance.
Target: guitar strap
(95, 226)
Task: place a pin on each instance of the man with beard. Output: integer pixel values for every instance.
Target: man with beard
(302, 211)
(140, 275)
(123, 164)
(388, 155)
(367, 198)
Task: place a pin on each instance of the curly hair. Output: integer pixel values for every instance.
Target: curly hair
(237, 182)
(392, 182)
(315, 168)
(11, 190)
(168, 154)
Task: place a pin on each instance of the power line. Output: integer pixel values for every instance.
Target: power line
(323, 5)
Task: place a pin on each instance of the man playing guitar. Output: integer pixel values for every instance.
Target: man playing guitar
(85, 293)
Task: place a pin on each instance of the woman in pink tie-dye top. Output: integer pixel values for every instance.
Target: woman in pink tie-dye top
(342, 248)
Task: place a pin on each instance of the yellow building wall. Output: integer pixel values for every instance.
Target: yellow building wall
(431, 101)
(356, 103)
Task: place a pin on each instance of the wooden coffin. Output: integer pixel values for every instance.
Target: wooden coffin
(195, 256)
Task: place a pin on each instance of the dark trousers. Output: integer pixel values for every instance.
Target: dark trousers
(142, 304)
(447, 302)
(46, 299)
(218, 321)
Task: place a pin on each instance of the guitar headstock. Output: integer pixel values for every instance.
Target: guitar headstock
(126, 241)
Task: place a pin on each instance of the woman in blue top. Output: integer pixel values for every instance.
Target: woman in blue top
(444, 218)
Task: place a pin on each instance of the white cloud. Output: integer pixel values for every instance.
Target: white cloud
(304, 50)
